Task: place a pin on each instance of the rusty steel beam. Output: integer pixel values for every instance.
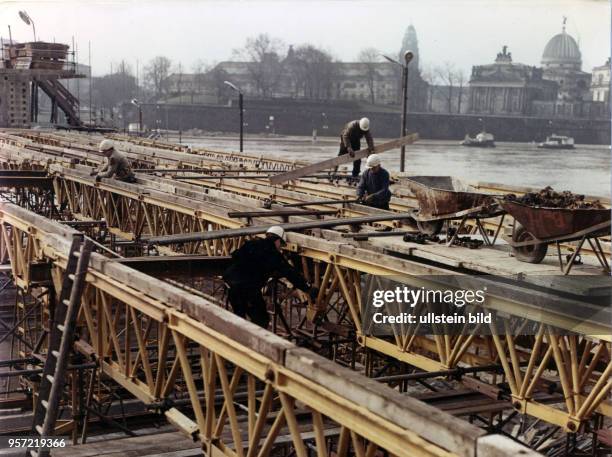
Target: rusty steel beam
(22, 173)
(258, 176)
(42, 182)
(320, 202)
(282, 213)
(259, 229)
(178, 266)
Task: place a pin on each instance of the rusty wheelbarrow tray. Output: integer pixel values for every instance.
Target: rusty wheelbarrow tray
(444, 198)
(540, 226)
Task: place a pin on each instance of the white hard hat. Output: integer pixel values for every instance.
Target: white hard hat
(364, 124)
(105, 145)
(373, 160)
(277, 231)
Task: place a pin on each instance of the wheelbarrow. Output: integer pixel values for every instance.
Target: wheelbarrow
(537, 227)
(444, 198)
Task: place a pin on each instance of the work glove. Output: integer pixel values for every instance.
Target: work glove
(351, 152)
(313, 292)
(368, 199)
(98, 178)
(93, 173)
(360, 200)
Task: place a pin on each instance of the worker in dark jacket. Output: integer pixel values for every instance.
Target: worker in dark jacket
(373, 188)
(117, 165)
(350, 140)
(252, 266)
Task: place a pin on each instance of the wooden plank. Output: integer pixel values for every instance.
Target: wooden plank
(346, 158)
(427, 421)
(499, 445)
(146, 445)
(587, 279)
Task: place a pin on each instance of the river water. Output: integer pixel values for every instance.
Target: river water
(585, 169)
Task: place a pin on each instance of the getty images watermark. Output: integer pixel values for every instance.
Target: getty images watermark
(396, 306)
(434, 306)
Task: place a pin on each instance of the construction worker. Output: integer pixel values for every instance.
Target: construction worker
(373, 188)
(350, 140)
(117, 164)
(252, 266)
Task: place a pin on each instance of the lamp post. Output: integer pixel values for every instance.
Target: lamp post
(167, 131)
(28, 20)
(135, 102)
(408, 55)
(240, 107)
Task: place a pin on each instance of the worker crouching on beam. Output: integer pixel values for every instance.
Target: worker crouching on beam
(350, 140)
(252, 266)
(117, 165)
(373, 188)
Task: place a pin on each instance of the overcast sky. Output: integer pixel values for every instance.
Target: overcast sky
(463, 32)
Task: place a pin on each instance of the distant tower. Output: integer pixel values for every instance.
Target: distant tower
(410, 43)
(417, 88)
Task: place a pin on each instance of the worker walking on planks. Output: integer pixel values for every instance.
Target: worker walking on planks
(373, 188)
(117, 164)
(350, 140)
(252, 266)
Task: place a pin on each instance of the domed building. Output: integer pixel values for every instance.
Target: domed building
(508, 88)
(562, 63)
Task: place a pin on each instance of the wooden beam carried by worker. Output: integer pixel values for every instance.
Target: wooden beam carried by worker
(346, 158)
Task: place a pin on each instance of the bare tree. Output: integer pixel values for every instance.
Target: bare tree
(264, 64)
(180, 80)
(312, 72)
(199, 69)
(447, 75)
(461, 79)
(429, 75)
(215, 77)
(156, 74)
(112, 89)
(370, 57)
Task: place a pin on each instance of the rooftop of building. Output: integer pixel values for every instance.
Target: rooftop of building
(562, 48)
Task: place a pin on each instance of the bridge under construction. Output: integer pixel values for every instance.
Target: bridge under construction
(117, 335)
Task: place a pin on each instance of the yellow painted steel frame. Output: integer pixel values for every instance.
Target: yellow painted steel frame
(202, 348)
(134, 212)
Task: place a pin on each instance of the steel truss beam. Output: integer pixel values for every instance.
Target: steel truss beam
(199, 344)
(336, 268)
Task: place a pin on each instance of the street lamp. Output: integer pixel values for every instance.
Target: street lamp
(28, 20)
(240, 107)
(408, 55)
(138, 104)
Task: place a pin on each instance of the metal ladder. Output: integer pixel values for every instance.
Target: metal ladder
(61, 338)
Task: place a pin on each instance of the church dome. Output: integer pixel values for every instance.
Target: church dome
(561, 48)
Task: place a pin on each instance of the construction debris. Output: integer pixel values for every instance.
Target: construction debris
(420, 238)
(548, 198)
(465, 241)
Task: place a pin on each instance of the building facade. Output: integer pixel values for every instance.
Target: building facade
(600, 83)
(377, 82)
(557, 89)
(358, 81)
(507, 88)
(562, 63)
